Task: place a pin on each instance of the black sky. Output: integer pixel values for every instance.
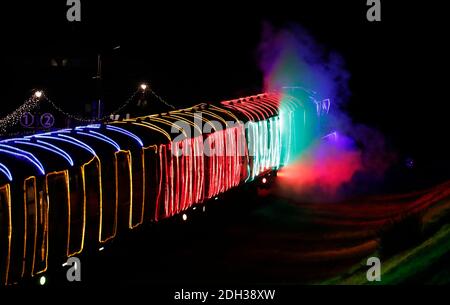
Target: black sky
(192, 52)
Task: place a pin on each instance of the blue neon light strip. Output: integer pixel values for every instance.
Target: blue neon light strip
(100, 137)
(70, 140)
(96, 126)
(69, 158)
(125, 132)
(21, 153)
(48, 147)
(6, 171)
(87, 147)
(11, 140)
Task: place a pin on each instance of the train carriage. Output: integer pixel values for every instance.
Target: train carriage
(69, 191)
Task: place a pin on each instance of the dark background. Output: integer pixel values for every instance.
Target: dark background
(192, 52)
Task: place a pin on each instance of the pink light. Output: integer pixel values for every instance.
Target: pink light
(325, 167)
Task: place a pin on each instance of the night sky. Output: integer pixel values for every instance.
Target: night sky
(194, 52)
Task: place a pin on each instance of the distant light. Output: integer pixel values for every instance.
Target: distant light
(216, 198)
(101, 249)
(38, 94)
(144, 87)
(204, 208)
(194, 208)
(42, 280)
(281, 174)
(409, 162)
(184, 217)
(264, 180)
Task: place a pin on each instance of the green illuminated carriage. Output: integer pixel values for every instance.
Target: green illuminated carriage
(74, 190)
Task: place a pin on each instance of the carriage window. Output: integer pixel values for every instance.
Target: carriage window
(40, 262)
(152, 170)
(93, 198)
(4, 232)
(58, 213)
(123, 160)
(138, 189)
(77, 212)
(109, 209)
(30, 204)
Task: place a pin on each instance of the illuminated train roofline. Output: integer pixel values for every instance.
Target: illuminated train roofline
(66, 191)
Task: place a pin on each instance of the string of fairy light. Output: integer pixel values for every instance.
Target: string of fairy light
(160, 99)
(91, 120)
(38, 97)
(11, 119)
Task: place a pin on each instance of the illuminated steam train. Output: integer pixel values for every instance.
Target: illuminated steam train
(71, 190)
